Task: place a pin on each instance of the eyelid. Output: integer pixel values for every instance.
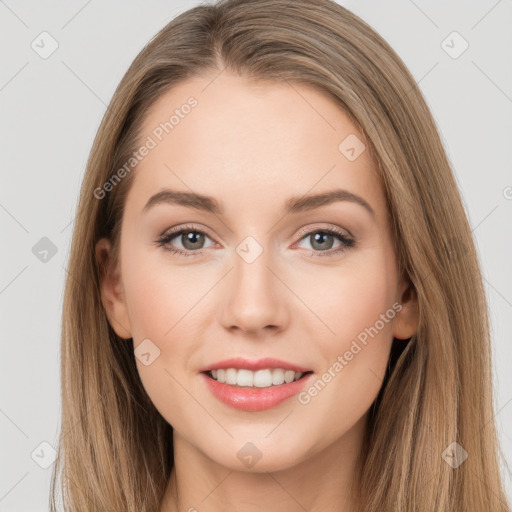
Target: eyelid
(311, 229)
(185, 227)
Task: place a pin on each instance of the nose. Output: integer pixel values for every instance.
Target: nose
(254, 298)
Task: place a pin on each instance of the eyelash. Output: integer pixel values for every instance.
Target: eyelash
(164, 240)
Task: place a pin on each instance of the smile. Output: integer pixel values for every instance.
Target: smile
(254, 391)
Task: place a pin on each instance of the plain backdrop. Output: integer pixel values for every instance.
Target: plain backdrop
(51, 108)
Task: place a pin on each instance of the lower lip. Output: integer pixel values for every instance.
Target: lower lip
(252, 399)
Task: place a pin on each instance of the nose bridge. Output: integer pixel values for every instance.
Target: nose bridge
(251, 270)
(254, 300)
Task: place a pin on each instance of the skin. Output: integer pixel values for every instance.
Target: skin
(252, 146)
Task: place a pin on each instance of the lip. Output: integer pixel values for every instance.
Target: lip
(260, 364)
(253, 399)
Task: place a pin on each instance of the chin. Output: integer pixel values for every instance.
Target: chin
(252, 457)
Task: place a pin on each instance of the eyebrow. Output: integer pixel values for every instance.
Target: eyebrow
(292, 205)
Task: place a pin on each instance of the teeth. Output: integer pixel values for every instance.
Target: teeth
(230, 374)
(259, 379)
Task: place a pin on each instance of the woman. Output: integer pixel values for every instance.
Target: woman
(274, 301)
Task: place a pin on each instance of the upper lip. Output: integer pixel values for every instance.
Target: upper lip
(259, 364)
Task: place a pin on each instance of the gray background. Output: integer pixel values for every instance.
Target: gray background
(51, 109)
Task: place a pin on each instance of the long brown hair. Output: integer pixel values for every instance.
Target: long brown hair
(115, 449)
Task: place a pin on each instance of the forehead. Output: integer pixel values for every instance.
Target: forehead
(248, 142)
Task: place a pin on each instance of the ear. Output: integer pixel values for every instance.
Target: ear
(406, 321)
(112, 293)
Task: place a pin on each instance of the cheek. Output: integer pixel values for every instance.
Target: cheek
(349, 300)
(158, 294)
(160, 301)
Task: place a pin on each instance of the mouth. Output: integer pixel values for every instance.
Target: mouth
(254, 391)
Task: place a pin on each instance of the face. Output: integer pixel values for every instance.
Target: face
(257, 270)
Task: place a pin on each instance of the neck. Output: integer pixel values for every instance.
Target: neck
(321, 482)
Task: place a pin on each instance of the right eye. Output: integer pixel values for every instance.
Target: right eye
(191, 239)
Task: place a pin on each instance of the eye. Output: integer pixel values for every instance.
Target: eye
(322, 241)
(191, 240)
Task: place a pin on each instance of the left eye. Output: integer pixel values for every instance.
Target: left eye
(323, 240)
